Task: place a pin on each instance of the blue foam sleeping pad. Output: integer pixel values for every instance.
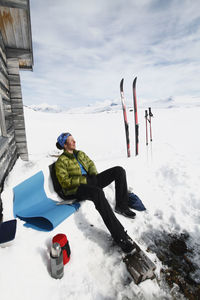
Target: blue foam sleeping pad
(33, 206)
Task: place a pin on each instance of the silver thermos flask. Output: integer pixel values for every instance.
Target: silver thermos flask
(57, 267)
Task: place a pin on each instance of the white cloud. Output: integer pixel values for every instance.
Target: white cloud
(82, 49)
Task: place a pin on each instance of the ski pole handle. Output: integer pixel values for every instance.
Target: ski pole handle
(146, 117)
(150, 113)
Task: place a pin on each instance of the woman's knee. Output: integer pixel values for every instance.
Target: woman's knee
(120, 170)
(89, 192)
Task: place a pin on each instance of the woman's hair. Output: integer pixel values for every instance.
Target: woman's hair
(59, 146)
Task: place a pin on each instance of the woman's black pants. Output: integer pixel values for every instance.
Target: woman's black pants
(93, 191)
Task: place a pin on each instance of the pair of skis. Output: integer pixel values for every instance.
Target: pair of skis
(135, 117)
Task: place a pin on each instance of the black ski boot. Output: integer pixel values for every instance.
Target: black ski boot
(126, 243)
(125, 212)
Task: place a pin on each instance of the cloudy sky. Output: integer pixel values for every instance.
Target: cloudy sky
(82, 49)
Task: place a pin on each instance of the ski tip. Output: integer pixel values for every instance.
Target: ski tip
(121, 84)
(134, 81)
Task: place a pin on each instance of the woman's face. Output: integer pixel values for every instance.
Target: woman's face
(70, 144)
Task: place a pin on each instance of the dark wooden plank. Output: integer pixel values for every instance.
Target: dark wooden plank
(8, 115)
(18, 53)
(13, 149)
(4, 81)
(19, 124)
(17, 27)
(22, 150)
(16, 106)
(18, 117)
(21, 146)
(3, 145)
(24, 156)
(23, 4)
(20, 132)
(2, 43)
(6, 165)
(17, 112)
(11, 133)
(4, 92)
(14, 79)
(2, 46)
(26, 31)
(11, 138)
(2, 117)
(7, 109)
(18, 121)
(6, 104)
(6, 101)
(13, 70)
(9, 123)
(3, 66)
(3, 56)
(14, 157)
(24, 65)
(5, 159)
(7, 26)
(13, 66)
(15, 91)
(20, 139)
(12, 145)
(16, 100)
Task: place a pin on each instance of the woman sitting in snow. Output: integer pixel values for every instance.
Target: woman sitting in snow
(79, 179)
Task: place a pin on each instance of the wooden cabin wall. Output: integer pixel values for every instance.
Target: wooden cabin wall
(8, 148)
(13, 139)
(17, 107)
(15, 53)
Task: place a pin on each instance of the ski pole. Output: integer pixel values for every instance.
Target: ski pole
(146, 117)
(150, 116)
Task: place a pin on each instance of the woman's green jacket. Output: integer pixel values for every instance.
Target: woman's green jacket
(68, 170)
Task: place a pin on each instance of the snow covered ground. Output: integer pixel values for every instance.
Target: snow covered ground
(165, 176)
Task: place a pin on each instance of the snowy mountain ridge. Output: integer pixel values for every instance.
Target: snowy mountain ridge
(45, 107)
(115, 105)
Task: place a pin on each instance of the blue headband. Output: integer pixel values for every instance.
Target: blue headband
(62, 138)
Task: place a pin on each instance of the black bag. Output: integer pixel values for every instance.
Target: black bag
(56, 184)
(1, 210)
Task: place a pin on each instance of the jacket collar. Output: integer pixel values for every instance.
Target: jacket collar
(70, 155)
